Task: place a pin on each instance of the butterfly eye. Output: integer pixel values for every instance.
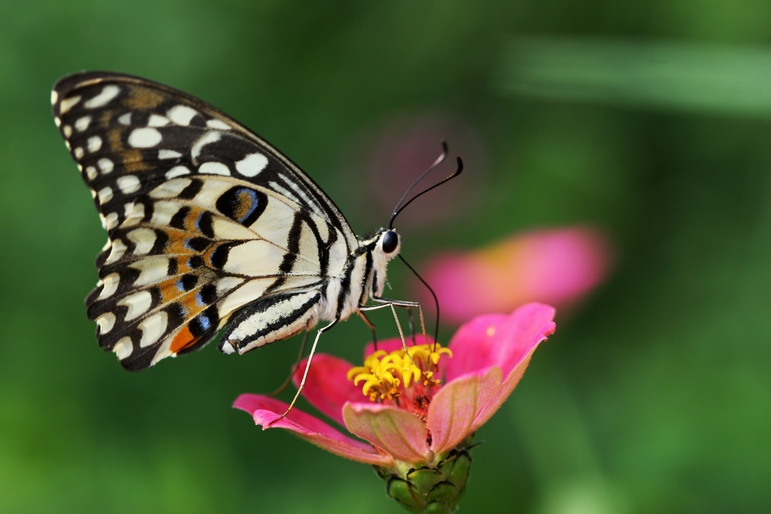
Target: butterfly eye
(390, 241)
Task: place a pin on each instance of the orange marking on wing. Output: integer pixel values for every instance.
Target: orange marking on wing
(176, 245)
(133, 161)
(105, 120)
(192, 217)
(169, 290)
(142, 98)
(182, 340)
(207, 254)
(182, 266)
(190, 302)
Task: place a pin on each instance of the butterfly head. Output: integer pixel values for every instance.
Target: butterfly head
(389, 243)
(383, 246)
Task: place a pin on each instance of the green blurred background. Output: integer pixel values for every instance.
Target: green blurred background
(649, 120)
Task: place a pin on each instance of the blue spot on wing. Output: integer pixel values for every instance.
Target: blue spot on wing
(204, 321)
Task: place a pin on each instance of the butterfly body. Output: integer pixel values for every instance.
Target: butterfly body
(209, 226)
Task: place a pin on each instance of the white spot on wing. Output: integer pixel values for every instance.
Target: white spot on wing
(67, 131)
(157, 121)
(78, 152)
(252, 164)
(54, 96)
(128, 184)
(181, 114)
(170, 188)
(144, 137)
(137, 303)
(143, 239)
(218, 124)
(111, 220)
(123, 348)
(105, 165)
(108, 93)
(133, 214)
(153, 328)
(105, 195)
(82, 123)
(94, 144)
(168, 154)
(118, 249)
(208, 138)
(214, 168)
(68, 103)
(177, 171)
(109, 286)
(91, 172)
(164, 211)
(125, 119)
(151, 270)
(106, 321)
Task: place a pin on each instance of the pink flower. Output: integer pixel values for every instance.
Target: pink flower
(425, 405)
(557, 266)
(388, 157)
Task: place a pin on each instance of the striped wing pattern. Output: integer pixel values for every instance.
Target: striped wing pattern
(203, 218)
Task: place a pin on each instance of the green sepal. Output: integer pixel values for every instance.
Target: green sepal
(434, 489)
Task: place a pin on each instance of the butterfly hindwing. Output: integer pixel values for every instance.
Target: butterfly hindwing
(203, 217)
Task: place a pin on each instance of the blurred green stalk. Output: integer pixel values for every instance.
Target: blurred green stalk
(688, 77)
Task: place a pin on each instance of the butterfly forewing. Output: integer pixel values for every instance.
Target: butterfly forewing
(203, 218)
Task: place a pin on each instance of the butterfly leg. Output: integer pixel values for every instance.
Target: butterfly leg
(370, 325)
(385, 302)
(305, 373)
(407, 304)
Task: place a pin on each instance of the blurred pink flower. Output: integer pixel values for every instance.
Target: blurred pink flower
(393, 153)
(417, 408)
(557, 266)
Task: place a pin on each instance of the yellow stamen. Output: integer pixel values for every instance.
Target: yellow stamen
(387, 375)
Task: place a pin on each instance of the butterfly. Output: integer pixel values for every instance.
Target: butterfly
(209, 226)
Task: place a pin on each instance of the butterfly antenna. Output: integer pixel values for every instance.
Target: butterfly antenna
(401, 204)
(433, 294)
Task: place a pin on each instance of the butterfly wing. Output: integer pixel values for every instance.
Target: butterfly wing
(203, 216)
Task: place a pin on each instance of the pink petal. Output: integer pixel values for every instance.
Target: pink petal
(498, 340)
(265, 410)
(455, 408)
(389, 429)
(553, 266)
(501, 394)
(327, 388)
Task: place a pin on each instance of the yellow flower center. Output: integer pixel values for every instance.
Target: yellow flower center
(402, 378)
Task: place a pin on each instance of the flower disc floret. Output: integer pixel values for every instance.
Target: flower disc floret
(389, 375)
